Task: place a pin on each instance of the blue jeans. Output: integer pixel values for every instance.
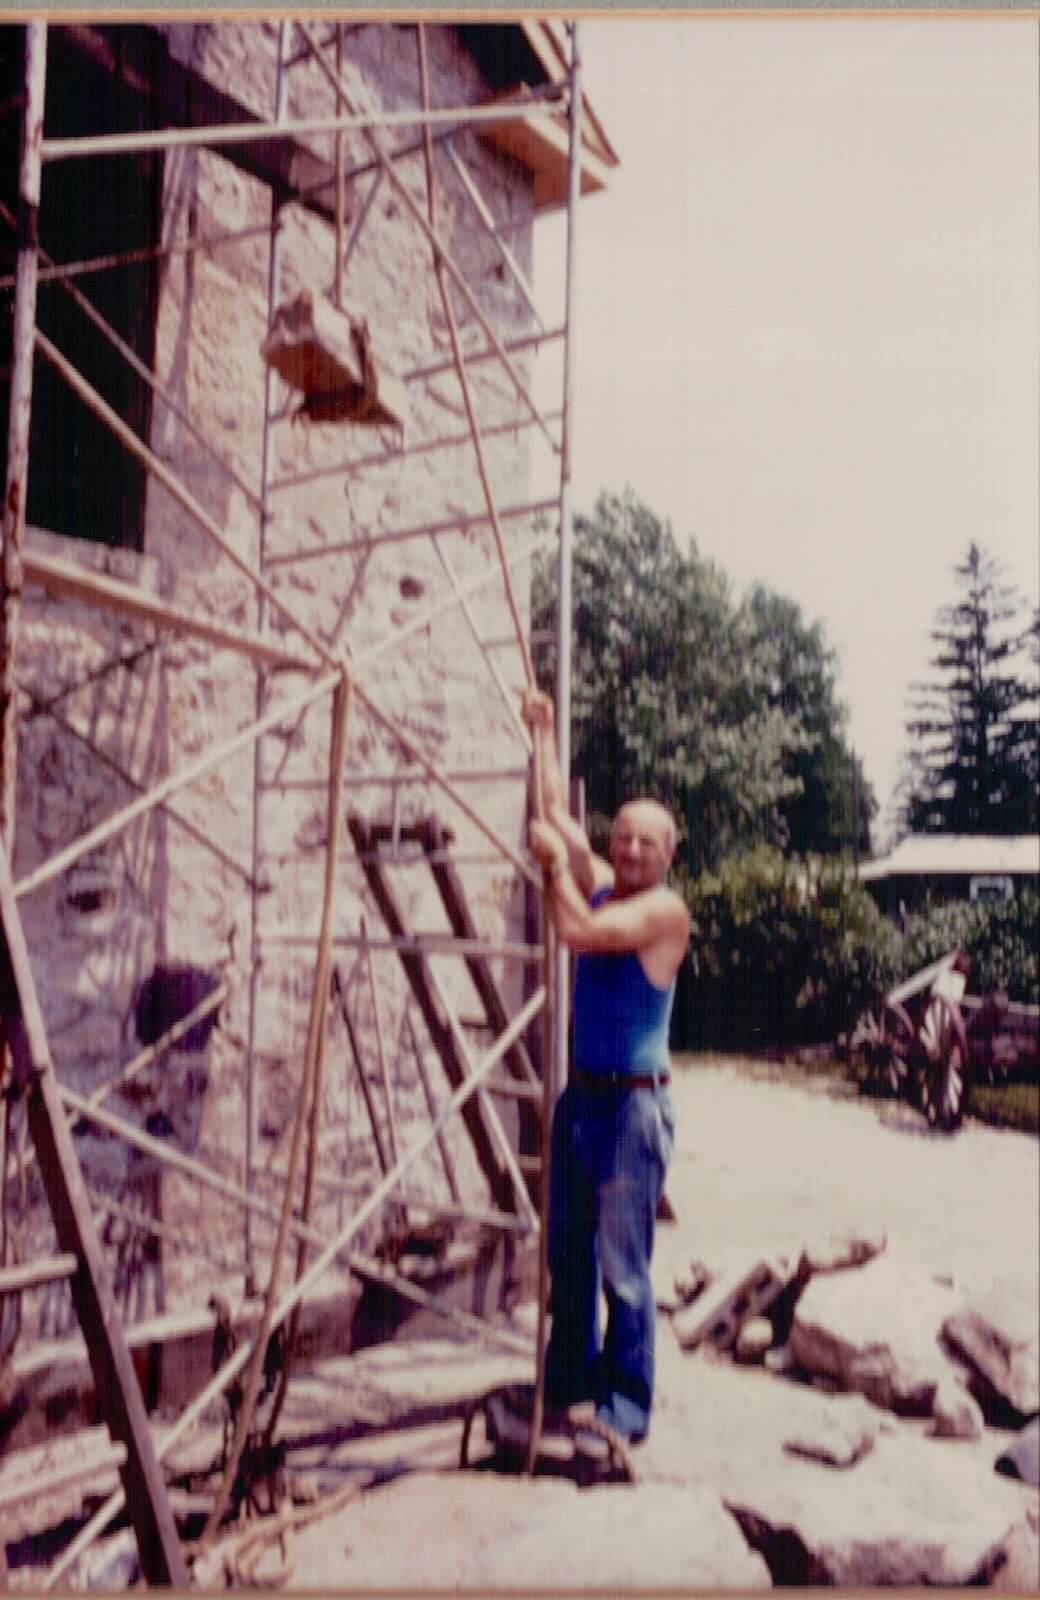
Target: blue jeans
(608, 1159)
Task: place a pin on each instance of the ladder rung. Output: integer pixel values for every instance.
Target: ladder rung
(34, 1273)
(514, 1090)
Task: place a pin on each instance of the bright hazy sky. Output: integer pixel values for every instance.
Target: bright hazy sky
(807, 321)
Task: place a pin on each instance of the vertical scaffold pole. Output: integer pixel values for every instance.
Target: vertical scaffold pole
(565, 586)
(20, 413)
(273, 290)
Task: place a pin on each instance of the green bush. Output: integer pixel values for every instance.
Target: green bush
(1000, 938)
(787, 952)
(784, 952)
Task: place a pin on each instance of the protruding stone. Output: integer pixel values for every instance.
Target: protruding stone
(753, 1340)
(841, 1437)
(839, 1252)
(956, 1414)
(1001, 1346)
(876, 1332)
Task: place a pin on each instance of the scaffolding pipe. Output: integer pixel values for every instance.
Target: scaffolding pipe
(212, 137)
(454, 524)
(62, 270)
(19, 417)
(143, 371)
(361, 169)
(341, 191)
(55, 865)
(460, 595)
(189, 827)
(388, 458)
(474, 358)
(565, 604)
(73, 582)
(260, 686)
(442, 256)
(235, 1363)
(427, 1089)
(506, 695)
(556, 1019)
(364, 780)
(480, 206)
(425, 944)
(159, 470)
(415, 750)
(467, 393)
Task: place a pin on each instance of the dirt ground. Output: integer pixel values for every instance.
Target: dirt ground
(765, 1163)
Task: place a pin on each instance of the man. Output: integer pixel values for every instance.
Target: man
(613, 1128)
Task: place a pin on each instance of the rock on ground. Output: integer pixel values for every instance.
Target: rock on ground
(956, 1415)
(839, 1436)
(875, 1330)
(911, 1512)
(482, 1531)
(1001, 1346)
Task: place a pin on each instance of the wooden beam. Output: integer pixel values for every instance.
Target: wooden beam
(119, 1396)
(72, 582)
(19, 412)
(34, 1273)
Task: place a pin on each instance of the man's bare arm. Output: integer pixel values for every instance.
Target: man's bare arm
(655, 923)
(590, 871)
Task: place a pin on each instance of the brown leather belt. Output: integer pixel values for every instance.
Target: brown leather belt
(619, 1082)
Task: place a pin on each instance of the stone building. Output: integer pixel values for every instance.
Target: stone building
(361, 532)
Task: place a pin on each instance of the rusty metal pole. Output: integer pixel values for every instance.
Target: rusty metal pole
(274, 278)
(20, 413)
(554, 1039)
(565, 602)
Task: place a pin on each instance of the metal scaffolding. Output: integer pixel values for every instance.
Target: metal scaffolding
(336, 679)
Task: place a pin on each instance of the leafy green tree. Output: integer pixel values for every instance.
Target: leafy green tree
(831, 808)
(678, 691)
(975, 755)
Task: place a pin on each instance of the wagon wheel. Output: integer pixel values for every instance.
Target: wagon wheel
(944, 1081)
(883, 1040)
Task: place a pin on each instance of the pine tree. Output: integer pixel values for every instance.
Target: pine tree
(974, 729)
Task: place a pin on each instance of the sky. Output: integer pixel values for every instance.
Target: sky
(807, 328)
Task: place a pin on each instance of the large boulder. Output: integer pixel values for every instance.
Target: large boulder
(876, 1331)
(1000, 1341)
(482, 1532)
(912, 1512)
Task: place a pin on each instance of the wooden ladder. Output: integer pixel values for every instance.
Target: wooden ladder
(522, 1082)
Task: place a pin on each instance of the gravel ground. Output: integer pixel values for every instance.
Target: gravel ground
(764, 1162)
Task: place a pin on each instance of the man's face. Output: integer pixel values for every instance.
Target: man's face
(640, 846)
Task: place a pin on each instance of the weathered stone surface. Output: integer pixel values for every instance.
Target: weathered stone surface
(840, 1436)
(876, 1331)
(1020, 1569)
(1001, 1345)
(484, 1532)
(754, 1339)
(956, 1415)
(836, 1252)
(1021, 1457)
(911, 1512)
(716, 1317)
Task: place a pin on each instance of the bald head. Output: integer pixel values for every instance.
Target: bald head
(642, 843)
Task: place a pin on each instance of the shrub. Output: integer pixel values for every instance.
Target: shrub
(784, 952)
(787, 952)
(1000, 938)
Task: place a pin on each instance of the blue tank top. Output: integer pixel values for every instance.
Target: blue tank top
(620, 1019)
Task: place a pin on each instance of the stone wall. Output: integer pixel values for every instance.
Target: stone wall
(175, 890)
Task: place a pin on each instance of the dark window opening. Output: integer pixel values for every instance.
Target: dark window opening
(82, 481)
